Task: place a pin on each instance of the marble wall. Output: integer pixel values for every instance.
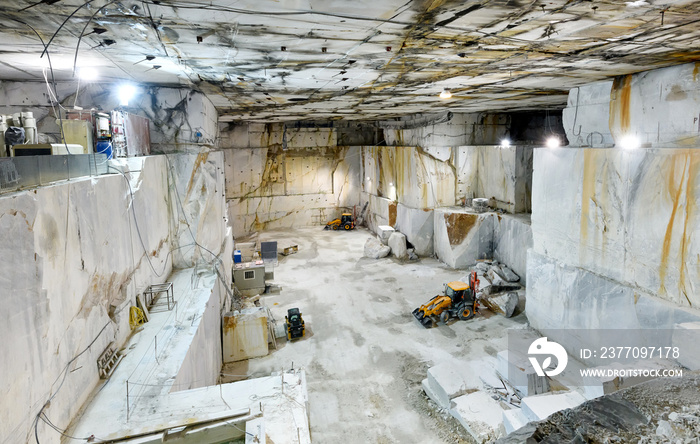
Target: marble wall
(460, 129)
(277, 178)
(77, 261)
(630, 216)
(512, 238)
(409, 175)
(500, 173)
(658, 107)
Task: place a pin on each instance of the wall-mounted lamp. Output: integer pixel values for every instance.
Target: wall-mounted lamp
(630, 142)
(553, 142)
(126, 92)
(445, 94)
(505, 143)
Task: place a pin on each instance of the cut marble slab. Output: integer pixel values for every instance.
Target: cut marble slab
(537, 408)
(516, 368)
(513, 420)
(480, 415)
(446, 382)
(384, 232)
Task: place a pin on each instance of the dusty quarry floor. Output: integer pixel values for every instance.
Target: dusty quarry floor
(365, 354)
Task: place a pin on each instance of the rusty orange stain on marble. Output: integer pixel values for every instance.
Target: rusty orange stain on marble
(695, 71)
(620, 103)
(684, 188)
(201, 159)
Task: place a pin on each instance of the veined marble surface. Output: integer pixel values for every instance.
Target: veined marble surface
(560, 296)
(631, 216)
(273, 188)
(462, 236)
(77, 264)
(408, 175)
(659, 107)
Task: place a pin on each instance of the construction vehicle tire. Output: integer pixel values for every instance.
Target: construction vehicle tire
(445, 316)
(466, 312)
(346, 226)
(335, 227)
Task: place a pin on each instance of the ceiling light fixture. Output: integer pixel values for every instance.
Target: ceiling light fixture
(445, 94)
(126, 92)
(505, 143)
(630, 142)
(553, 142)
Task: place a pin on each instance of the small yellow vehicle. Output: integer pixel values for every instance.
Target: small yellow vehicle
(458, 300)
(346, 222)
(295, 324)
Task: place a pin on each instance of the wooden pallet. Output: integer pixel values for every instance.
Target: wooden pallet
(290, 250)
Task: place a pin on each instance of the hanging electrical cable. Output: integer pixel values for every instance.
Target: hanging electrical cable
(82, 33)
(46, 47)
(64, 372)
(53, 80)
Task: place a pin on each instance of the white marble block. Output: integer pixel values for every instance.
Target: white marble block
(445, 382)
(462, 236)
(397, 243)
(480, 415)
(626, 215)
(537, 408)
(516, 368)
(417, 225)
(384, 232)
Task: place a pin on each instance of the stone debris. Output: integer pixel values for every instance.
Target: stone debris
(397, 243)
(508, 274)
(384, 232)
(504, 304)
(665, 429)
(374, 249)
(663, 410)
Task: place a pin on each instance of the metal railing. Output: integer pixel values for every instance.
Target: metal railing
(17, 173)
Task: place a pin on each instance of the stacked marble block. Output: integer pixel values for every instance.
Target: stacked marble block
(465, 392)
(462, 236)
(458, 236)
(454, 389)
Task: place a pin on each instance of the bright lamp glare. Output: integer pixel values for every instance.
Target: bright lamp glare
(88, 74)
(553, 142)
(505, 143)
(445, 94)
(126, 93)
(630, 142)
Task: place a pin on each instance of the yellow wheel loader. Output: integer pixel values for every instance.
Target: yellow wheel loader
(458, 301)
(345, 222)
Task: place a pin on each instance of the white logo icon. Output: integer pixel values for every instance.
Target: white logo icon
(543, 347)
